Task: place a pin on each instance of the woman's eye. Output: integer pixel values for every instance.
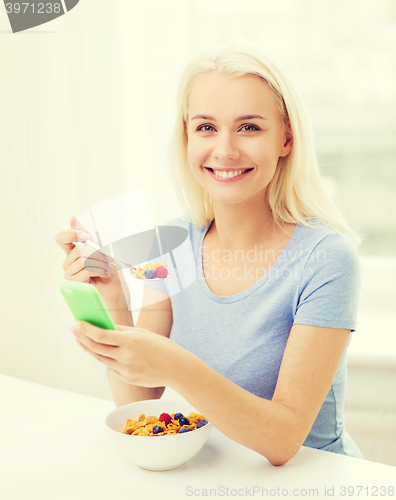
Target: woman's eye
(254, 128)
(203, 127)
(248, 128)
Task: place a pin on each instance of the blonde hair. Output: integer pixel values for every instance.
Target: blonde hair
(296, 192)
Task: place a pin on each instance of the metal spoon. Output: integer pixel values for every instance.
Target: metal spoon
(133, 269)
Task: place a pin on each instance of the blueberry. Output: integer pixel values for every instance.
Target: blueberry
(184, 421)
(157, 429)
(178, 415)
(183, 430)
(149, 273)
(201, 423)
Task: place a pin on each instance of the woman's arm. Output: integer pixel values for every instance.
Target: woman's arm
(155, 318)
(276, 429)
(328, 294)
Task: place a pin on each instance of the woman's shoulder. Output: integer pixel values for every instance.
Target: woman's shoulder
(319, 231)
(323, 242)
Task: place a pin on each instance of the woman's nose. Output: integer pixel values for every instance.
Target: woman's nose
(225, 148)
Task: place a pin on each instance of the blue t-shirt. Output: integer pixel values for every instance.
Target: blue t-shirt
(315, 281)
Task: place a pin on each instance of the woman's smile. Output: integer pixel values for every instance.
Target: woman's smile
(228, 174)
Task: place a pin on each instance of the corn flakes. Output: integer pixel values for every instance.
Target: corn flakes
(151, 426)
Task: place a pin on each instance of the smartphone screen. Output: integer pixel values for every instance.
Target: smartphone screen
(86, 304)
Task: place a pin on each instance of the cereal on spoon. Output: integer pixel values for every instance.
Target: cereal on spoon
(151, 271)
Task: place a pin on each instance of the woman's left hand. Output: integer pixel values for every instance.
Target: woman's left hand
(136, 355)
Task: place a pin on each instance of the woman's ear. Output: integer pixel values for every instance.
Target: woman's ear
(288, 140)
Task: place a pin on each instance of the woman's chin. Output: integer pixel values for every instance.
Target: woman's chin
(227, 199)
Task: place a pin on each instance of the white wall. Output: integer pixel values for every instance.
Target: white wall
(86, 111)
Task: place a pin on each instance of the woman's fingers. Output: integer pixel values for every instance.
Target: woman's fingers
(106, 350)
(77, 272)
(82, 269)
(89, 258)
(84, 276)
(109, 362)
(67, 238)
(122, 327)
(100, 335)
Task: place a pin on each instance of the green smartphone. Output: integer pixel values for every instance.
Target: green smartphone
(86, 304)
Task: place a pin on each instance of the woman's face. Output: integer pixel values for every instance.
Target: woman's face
(234, 124)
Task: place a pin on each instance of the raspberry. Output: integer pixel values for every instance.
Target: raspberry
(161, 272)
(166, 418)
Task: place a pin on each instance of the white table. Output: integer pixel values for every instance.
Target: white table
(54, 446)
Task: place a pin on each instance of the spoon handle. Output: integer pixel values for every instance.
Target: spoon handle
(93, 245)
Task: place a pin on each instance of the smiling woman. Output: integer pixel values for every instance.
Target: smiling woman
(296, 192)
(281, 301)
(234, 149)
(262, 332)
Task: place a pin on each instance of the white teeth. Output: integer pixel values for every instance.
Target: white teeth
(223, 174)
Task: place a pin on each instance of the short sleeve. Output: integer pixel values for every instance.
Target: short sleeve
(330, 284)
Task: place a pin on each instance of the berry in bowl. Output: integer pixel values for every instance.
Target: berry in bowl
(158, 434)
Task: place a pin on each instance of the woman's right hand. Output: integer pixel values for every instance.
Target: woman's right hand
(109, 287)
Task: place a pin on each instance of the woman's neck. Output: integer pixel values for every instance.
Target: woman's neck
(241, 226)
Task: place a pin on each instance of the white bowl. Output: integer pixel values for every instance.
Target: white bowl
(161, 452)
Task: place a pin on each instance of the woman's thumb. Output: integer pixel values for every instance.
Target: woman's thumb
(76, 224)
(73, 221)
(120, 328)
